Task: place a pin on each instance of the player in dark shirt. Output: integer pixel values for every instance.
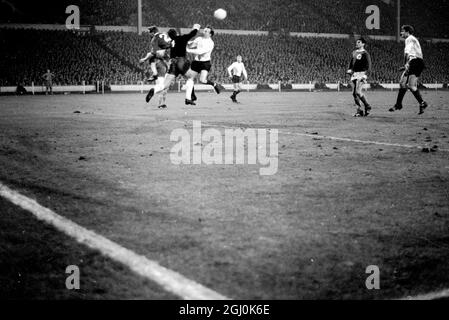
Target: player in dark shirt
(358, 67)
(179, 64)
(159, 44)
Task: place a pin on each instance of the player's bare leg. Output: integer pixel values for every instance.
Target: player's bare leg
(153, 70)
(159, 83)
(359, 111)
(163, 82)
(205, 80)
(237, 90)
(162, 99)
(361, 96)
(191, 75)
(401, 93)
(234, 94)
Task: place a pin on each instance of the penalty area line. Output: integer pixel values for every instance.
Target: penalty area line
(378, 143)
(171, 281)
(386, 144)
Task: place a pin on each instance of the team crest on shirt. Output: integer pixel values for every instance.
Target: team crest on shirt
(359, 56)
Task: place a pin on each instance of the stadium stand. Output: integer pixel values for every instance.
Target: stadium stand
(113, 57)
(72, 57)
(329, 16)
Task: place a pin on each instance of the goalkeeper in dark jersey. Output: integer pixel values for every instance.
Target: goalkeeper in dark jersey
(179, 64)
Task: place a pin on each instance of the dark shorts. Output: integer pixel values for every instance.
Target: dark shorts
(179, 66)
(416, 67)
(236, 79)
(199, 66)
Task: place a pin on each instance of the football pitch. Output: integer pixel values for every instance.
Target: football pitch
(348, 193)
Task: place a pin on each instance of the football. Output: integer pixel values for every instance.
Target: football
(220, 14)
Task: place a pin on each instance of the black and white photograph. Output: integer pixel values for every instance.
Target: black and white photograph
(244, 150)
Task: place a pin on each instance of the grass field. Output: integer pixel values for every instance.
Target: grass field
(334, 207)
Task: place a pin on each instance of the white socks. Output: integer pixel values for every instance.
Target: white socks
(189, 89)
(159, 85)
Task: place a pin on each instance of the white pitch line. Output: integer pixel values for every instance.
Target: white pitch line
(429, 296)
(170, 280)
(387, 144)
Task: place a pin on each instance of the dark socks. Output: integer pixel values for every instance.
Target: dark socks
(417, 95)
(357, 100)
(364, 101)
(401, 95)
(210, 83)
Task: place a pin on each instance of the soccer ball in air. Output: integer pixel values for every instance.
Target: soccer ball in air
(220, 14)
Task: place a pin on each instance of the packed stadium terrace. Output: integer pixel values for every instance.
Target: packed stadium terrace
(113, 57)
(326, 16)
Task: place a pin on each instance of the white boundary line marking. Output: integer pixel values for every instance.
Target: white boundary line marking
(388, 144)
(170, 280)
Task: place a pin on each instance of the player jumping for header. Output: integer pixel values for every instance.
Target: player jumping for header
(159, 44)
(235, 71)
(414, 66)
(202, 48)
(179, 64)
(359, 66)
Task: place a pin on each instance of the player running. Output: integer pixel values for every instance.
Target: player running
(202, 48)
(179, 64)
(235, 71)
(359, 66)
(414, 66)
(159, 44)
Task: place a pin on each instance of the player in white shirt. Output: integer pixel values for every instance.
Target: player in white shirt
(202, 48)
(236, 71)
(414, 66)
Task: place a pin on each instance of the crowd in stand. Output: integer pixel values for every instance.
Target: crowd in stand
(73, 58)
(327, 16)
(113, 57)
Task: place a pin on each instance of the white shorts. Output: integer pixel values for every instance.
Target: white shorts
(359, 76)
